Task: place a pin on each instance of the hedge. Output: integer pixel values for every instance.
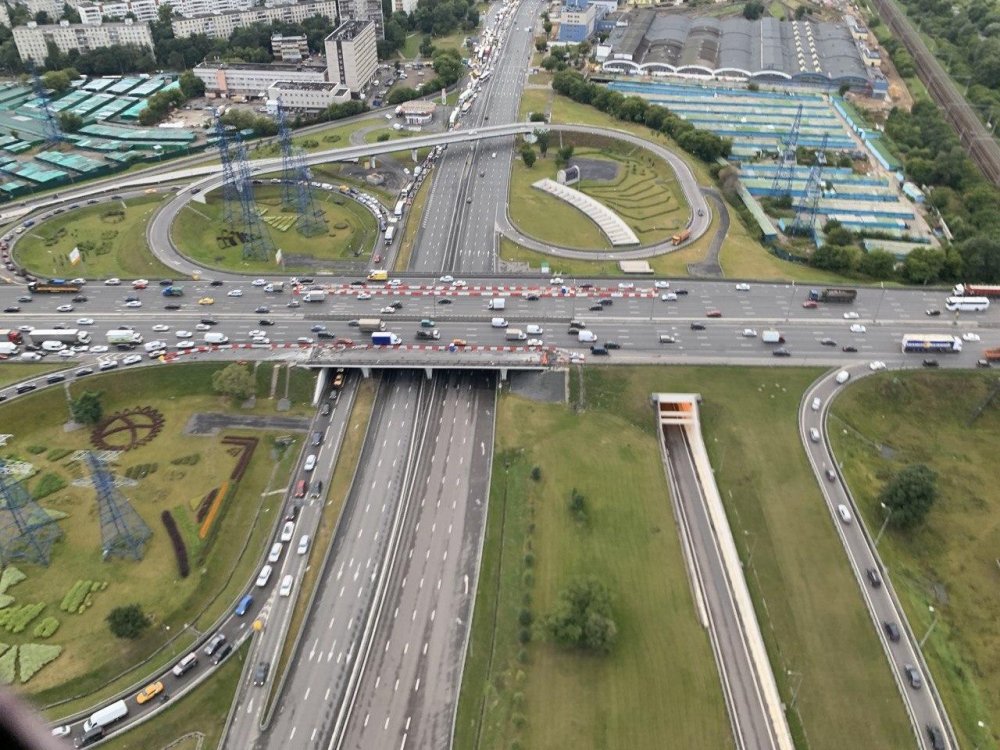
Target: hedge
(16, 619)
(34, 656)
(11, 575)
(180, 551)
(48, 484)
(46, 627)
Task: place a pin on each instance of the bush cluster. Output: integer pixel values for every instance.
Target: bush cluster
(16, 619)
(180, 550)
(46, 627)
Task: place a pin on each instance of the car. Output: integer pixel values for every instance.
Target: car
(64, 308)
(83, 371)
(609, 345)
(262, 310)
(851, 316)
(234, 293)
(447, 278)
(395, 282)
(185, 344)
(286, 585)
(827, 342)
(697, 326)
(26, 328)
(810, 304)
(259, 282)
(742, 287)
(531, 296)
(666, 338)
(80, 298)
(891, 630)
(255, 332)
(983, 363)
(469, 199)
(112, 282)
(292, 303)
(216, 282)
(66, 353)
(876, 365)
(858, 328)
(85, 321)
(534, 330)
(749, 333)
(364, 296)
(596, 308)
(668, 297)
(260, 672)
(12, 309)
(626, 285)
(661, 284)
(933, 312)
(680, 292)
(98, 349)
(831, 475)
(970, 336)
(534, 342)
(265, 322)
(276, 549)
(149, 692)
(444, 301)
(913, 676)
(62, 731)
(109, 365)
(260, 340)
(24, 299)
(132, 359)
(931, 363)
(226, 650)
(133, 303)
(182, 334)
(387, 310)
(185, 665)
(936, 737)
(848, 348)
(303, 545)
(713, 314)
(160, 328)
(873, 577)
(79, 281)
(140, 283)
(556, 281)
(206, 301)
(263, 577)
(305, 341)
(781, 352)
(459, 342)
(166, 282)
(172, 306)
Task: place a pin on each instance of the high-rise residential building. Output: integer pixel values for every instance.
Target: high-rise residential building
(289, 48)
(221, 25)
(143, 10)
(32, 40)
(406, 6)
(352, 54)
(365, 10)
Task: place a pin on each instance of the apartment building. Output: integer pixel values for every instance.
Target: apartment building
(32, 40)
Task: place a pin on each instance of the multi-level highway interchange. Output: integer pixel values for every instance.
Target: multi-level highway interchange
(380, 657)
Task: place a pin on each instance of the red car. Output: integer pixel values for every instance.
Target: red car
(713, 314)
(810, 304)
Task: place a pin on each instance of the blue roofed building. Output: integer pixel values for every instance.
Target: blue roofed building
(577, 21)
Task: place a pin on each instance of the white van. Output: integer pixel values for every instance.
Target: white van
(845, 513)
(814, 434)
(586, 337)
(843, 376)
(53, 346)
(213, 337)
(286, 585)
(499, 322)
(265, 576)
(310, 463)
(816, 404)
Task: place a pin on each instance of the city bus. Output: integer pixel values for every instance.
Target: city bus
(967, 304)
(924, 343)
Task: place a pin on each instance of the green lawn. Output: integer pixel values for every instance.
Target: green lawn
(660, 681)
(533, 100)
(949, 563)
(202, 711)
(815, 623)
(111, 237)
(201, 235)
(182, 469)
(15, 372)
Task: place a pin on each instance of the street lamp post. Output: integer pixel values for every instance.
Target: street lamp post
(879, 306)
(930, 629)
(888, 515)
(788, 307)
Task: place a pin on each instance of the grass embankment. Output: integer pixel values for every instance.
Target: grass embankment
(820, 639)
(201, 235)
(337, 489)
(174, 471)
(414, 216)
(111, 238)
(537, 695)
(15, 372)
(643, 192)
(534, 100)
(202, 712)
(949, 563)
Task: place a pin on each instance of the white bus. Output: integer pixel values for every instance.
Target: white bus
(390, 234)
(931, 343)
(398, 211)
(967, 304)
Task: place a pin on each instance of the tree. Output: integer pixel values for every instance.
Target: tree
(235, 380)
(57, 80)
(191, 85)
(69, 13)
(753, 10)
(923, 265)
(910, 495)
(582, 617)
(564, 154)
(70, 122)
(87, 409)
(542, 140)
(528, 156)
(128, 621)
(878, 264)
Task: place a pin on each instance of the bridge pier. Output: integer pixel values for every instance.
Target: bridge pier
(320, 385)
(429, 371)
(366, 372)
(503, 374)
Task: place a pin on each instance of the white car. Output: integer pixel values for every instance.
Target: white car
(62, 731)
(26, 329)
(556, 280)
(182, 334)
(85, 321)
(970, 336)
(255, 333)
(234, 293)
(748, 333)
(203, 327)
(626, 285)
(79, 280)
(64, 308)
(152, 346)
(66, 353)
(260, 340)
(156, 353)
(669, 296)
(185, 344)
(447, 278)
(132, 359)
(742, 287)
(287, 531)
(851, 316)
(459, 283)
(534, 342)
(80, 348)
(858, 328)
(305, 340)
(876, 365)
(388, 310)
(112, 282)
(364, 295)
(661, 284)
(133, 303)
(30, 356)
(98, 349)
(140, 283)
(534, 330)
(395, 282)
(259, 282)
(160, 328)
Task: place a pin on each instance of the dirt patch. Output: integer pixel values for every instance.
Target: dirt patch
(596, 169)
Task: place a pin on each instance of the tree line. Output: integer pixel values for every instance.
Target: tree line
(431, 18)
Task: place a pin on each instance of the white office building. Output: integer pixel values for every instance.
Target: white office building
(352, 54)
(229, 80)
(308, 96)
(32, 40)
(222, 25)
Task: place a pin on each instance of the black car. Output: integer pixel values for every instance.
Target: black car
(873, 577)
(933, 312)
(263, 310)
(209, 321)
(532, 297)
(595, 308)
(213, 645)
(359, 283)
(606, 302)
(24, 299)
(306, 281)
(680, 292)
(848, 348)
(612, 345)
(586, 285)
(828, 342)
(166, 282)
(317, 328)
(444, 301)
(216, 282)
(697, 326)
(83, 371)
(891, 630)
(266, 322)
(131, 298)
(931, 363)
(782, 352)
(222, 653)
(599, 351)
(26, 388)
(261, 672)
(936, 737)
(12, 309)
(172, 306)
(80, 298)
(55, 379)
(396, 304)
(325, 335)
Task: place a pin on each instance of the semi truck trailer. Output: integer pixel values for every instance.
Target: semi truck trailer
(976, 290)
(132, 338)
(65, 335)
(841, 296)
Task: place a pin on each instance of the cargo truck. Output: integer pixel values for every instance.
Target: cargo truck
(369, 325)
(772, 337)
(378, 274)
(314, 296)
(390, 234)
(173, 291)
(106, 716)
(680, 237)
(992, 355)
(8, 349)
(428, 334)
(385, 339)
(968, 290)
(11, 335)
(515, 334)
(53, 286)
(65, 335)
(497, 303)
(841, 296)
(132, 338)
(275, 287)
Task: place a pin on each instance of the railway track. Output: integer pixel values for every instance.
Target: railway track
(975, 139)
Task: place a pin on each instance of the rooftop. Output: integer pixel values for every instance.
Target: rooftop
(309, 85)
(347, 31)
(317, 63)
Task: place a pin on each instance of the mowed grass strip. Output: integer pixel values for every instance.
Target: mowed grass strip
(15, 372)
(807, 601)
(111, 236)
(660, 680)
(950, 562)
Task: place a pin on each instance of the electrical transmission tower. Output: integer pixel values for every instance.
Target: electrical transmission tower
(50, 125)
(296, 193)
(782, 184)
(239, 210)
(123, 532)
(805, 214)
(26, 531)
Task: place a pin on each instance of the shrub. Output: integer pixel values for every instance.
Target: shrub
(6, 600)
(36, 449)
(189, 460)
(16, 619)
(58, 454)
(48, 484)
(46, 627)
(11, 576)
(8, 663)
(34, 656)
(78, 598)
(536, 473)
(205, 504)
(180, 551)
(128, 621)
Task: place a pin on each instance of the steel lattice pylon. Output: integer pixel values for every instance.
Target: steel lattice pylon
(123, 532)
(296, 193)
(27, 532)
(230, 189)
(53, 135)
(805, 215)
(782, 184)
